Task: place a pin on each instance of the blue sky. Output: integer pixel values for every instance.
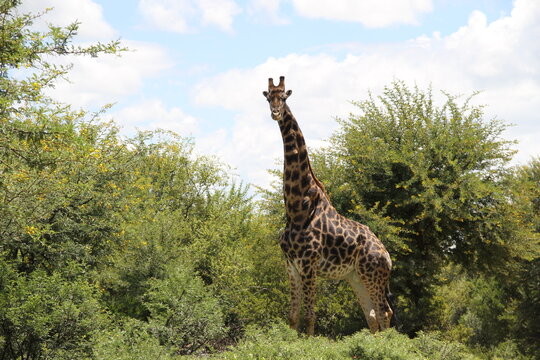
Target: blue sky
(198, 66)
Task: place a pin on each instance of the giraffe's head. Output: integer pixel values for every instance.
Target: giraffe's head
(276, 96)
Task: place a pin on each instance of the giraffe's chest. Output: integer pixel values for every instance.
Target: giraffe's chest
(337, 256)
(297, 245)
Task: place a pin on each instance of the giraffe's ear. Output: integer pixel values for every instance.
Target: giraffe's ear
(287, 94)
(265, 94)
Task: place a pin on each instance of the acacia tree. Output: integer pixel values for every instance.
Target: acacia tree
(53, 178)
(56, 167)
(431, 182)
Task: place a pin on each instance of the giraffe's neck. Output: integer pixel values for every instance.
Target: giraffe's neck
(300, 186)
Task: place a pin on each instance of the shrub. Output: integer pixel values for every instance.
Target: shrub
(390, 345)
(475, 311)
(130, 340)
(433, 347)
(184, 314)
(280, 342)
(46, 316)
(508, 350)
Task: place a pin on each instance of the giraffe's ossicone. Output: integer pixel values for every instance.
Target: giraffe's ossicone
(317, 241)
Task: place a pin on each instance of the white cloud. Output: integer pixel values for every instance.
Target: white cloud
(267, 11)
(109, 78)
(501, 58)
(371, 13)
(184, 16)
(153, 114)
(219, 13)
(251, 145)
(167, 15)
(90, 14)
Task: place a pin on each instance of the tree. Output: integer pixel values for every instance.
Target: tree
(53, 182)
(55, 192)
(524, 286)
(431, 181)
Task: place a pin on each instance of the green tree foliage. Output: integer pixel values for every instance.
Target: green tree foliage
(168, 211)
(524, 286)
(25, 69)
(130, 340)
(473, 310)
(431, 181)
(53, 182)
(53, 195)
(75, 194)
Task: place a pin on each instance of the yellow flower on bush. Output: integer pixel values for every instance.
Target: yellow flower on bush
(31, 230)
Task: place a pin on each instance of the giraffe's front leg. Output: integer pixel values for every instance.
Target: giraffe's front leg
(309, 290)
(295, 282)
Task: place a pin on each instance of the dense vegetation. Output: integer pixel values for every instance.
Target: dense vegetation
(136, 248)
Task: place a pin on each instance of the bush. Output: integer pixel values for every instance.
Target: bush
(252, 280)
(475, 311)
(131, 340)
(508, 350)
(280, 342)
(184, 314)
(433, 347)
(390, 345)
(47, 316)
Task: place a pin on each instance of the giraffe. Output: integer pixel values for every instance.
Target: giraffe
(317, 241)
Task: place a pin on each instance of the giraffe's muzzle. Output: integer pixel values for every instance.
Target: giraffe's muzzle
(276, 115)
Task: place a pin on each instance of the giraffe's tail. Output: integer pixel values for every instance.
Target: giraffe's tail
(394, 322)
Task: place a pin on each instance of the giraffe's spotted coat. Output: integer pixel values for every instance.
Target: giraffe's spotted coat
(318, 241)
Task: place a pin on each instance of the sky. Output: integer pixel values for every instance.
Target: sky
(198, 67)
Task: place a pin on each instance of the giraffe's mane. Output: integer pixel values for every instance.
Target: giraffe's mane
(317, 181)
